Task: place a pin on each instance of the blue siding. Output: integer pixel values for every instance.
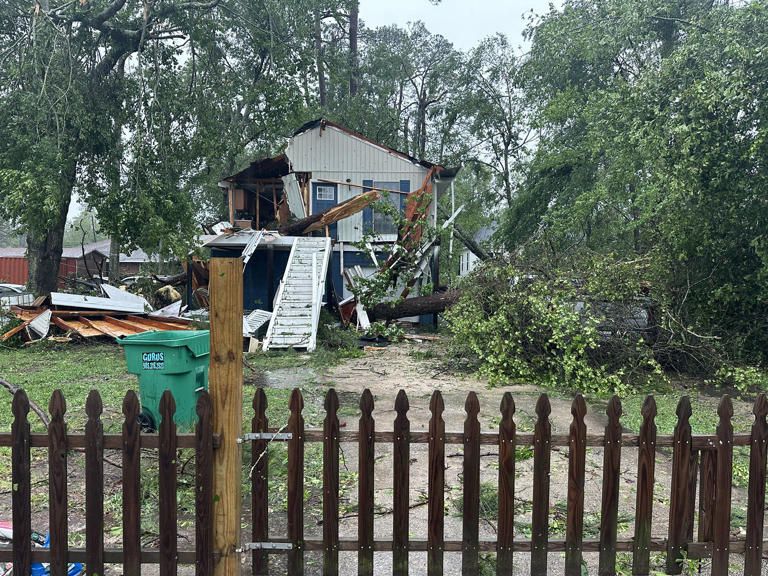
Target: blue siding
(320, 205)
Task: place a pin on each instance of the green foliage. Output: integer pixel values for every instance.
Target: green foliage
(652, 116)
(391, 332)
(336, 338)
(529, 328)
(745, 380)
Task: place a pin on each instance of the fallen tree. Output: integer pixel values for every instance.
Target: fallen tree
(431, 304)
(466, 238)
(320, 220)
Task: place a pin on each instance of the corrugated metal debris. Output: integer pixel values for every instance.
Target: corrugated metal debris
(81, 316)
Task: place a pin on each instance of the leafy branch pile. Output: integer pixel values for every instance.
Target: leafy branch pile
(532, 325)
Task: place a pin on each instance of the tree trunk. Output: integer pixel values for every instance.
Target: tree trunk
(114, 261)
(354, 71)
(431, 304)
(466, 238)
(44, 249)
(319, 59)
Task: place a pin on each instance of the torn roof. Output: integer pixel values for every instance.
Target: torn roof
(276, 167)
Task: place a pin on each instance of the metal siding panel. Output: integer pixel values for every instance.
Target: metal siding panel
(13, 270)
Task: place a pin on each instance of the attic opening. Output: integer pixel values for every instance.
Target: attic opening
(259, 197)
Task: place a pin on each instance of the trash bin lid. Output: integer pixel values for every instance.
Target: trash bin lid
(197, 341)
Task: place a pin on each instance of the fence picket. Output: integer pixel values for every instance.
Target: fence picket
(204, 486)
(693, 474)
(646, 464)
(753, 555)
(296, 484)
(610, 503)
(506, 529)
(131, 486)
(722, 516)
(401, 453)
(331, 484)
(707, 490)
(577, 452)
(366, 457)
(166, 459)
(22, 482)
(471, 502)
(679, 497)
(541, 461)
(57, 484)
(260, 484)
(94, 485)
(436, 486)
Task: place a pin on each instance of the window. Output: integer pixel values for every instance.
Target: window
(325, 193)
(383, 223)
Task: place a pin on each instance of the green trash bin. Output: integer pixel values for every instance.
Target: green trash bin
(175, 360)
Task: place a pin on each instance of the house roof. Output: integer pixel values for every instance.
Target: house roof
(276, 167)
(13, 252)
(322, 122)
(75, 252)
(279, 166)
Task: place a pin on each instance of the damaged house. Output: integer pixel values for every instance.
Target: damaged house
(298, 221)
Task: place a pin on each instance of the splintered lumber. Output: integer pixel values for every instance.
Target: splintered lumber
(320, 220)
(431, 304)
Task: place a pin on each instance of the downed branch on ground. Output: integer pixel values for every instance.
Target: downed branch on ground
(431, 304)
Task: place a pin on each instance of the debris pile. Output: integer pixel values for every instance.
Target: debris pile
(63, 317)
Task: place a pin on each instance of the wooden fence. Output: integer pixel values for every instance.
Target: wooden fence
(702, 462)
(703, 459)
(95, 442)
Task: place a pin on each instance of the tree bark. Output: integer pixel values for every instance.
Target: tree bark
(45, 241)
(354, 71)
(114, 261)
(466, 238)
(431, 304)
(331, 215)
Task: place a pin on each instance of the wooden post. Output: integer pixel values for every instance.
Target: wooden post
(226, 390)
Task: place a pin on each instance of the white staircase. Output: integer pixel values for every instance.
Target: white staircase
(300, 295)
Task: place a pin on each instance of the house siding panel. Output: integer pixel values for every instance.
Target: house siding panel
(339, 156)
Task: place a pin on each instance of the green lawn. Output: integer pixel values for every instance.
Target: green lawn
(76, 369)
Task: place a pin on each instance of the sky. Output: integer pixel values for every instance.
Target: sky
(462, 22)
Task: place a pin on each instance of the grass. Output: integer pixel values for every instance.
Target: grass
(75, 368)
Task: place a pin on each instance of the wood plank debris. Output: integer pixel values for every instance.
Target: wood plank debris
(74, 315)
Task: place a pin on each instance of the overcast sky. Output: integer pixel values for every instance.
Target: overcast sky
(462, 22)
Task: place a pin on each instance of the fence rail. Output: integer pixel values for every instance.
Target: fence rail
(702, 462)
(59, 442)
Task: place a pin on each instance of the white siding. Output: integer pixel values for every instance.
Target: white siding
(295, 201)
(339, 156)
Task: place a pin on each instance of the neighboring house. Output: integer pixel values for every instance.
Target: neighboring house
(467, 259)
(324, 164)
(75, 262)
